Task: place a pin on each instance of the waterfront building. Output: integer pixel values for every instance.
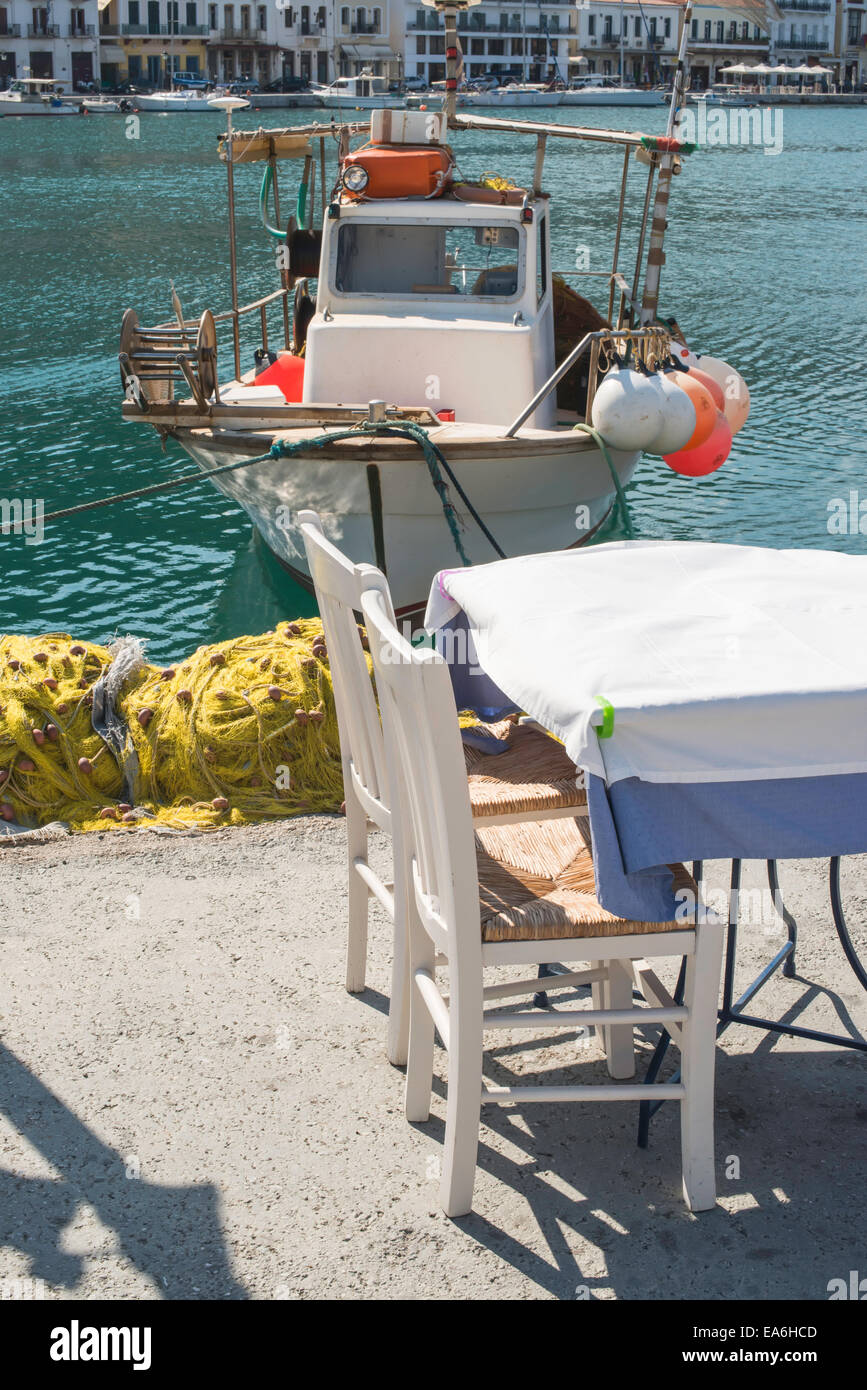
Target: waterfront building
(144, 41)
(644, 37)
(719, 37)
(524, 42)
(850, 43)
(321, 42)
(55, 39)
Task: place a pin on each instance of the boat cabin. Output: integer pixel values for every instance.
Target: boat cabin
(437, 301)
(364, 85)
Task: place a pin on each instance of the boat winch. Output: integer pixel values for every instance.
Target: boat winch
(154, 360)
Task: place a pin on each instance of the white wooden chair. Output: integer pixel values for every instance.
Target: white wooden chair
(533, 778)
(520, 895)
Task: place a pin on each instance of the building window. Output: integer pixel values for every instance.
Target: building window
(591, 24)
(421, 45)
(720, 30)
(733, 31)
(745, 31)
(757, 33)
(305, 19)
(262, 17)
(637, 28)
(133, 12)
(707, 31)
(377, 21)
(496, 48)
(666, 28)
(191, 18)
(134, 67)
(213, 22)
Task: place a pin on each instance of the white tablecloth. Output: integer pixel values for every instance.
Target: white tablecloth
(721, 662)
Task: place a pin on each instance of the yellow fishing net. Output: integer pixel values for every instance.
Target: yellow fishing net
(237, 732)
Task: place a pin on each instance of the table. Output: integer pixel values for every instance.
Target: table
(715, 697)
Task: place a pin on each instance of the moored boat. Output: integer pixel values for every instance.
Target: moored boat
(34, 96)
(362, 93)
(430, 396)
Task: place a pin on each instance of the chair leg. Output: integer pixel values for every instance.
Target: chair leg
(698, 1060)
(619, 1037)
(464, 1100)
(597, 1000)
(420, 1048)
(397, 1046)
(359, 901)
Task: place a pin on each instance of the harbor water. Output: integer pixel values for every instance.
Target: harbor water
(764, 267)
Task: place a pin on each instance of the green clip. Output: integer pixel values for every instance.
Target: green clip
(607, 728)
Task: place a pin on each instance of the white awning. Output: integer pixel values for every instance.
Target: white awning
(368, 50)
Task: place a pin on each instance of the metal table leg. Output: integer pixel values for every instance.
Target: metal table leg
(732, 1010)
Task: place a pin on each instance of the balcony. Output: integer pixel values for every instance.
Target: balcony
(81, 31)
(11, 31)
(816, 6)
(240, 35)
(43, 31)
(364, 29)
(733, 44)
(812, 45)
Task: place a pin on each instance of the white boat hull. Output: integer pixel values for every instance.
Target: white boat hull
(506, 96)
(9, 107)
(610, 96)
(343, 102)
(168, 102)
(549, 495)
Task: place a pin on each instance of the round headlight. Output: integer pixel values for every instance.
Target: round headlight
(355, 178)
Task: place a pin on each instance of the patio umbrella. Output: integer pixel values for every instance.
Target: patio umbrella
(760, 68)
(737, 67)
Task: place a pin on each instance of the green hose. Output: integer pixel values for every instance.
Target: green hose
(618, 486)
(267, 181)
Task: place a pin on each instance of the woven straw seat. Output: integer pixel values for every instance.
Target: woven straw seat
(535, 773)
(536, 884)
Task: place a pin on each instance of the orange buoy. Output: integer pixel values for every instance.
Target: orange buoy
(711, 385)
(705, 410)
(707, 457)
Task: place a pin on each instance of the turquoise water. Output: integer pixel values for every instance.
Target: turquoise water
(765, 268)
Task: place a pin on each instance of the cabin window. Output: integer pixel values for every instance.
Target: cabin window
(428, 260)
(541, 259)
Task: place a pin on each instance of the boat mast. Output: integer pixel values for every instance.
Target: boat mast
(655, 253)
(622, 40)
(449, 11)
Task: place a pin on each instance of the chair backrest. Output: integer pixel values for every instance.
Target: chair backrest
(423, 740)
(339, 584)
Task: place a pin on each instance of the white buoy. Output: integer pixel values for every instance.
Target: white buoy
(678, 416)
(627, 410)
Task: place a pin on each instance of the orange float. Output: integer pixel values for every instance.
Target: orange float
(707, 457)
(705, 410)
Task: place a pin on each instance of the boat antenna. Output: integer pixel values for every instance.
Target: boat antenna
(449, 11)
(655, 255)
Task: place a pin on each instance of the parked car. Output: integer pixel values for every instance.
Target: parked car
(288, 84)
(415, 84)
(243, 86)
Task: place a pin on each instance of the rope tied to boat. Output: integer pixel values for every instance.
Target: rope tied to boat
(436, 462)
(618, 486)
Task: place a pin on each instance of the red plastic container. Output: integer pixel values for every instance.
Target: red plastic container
(402, 171)
(287, 373)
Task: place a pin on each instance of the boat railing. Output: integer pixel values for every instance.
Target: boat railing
(650, 345)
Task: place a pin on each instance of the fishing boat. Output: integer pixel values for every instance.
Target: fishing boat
(34, 96)
(428, 389)
(104, 106)
(362, 93)
(512, 94)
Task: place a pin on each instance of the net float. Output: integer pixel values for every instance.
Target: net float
(301, 716)
(168, 674)
(705, 410)
(128, 817)
(678, 416)
(627, 410)
(7, 811)
(14, 665)
(707, 457)
(736, 393)
(317, 716)
(108, 813)
(41, 657)
(77, 650)
(185, 696)
(25, 765)
(124, 806)
(38, 737)
(50, 682)
(145, 716)
(708, 382)
(4, 774)
(217, 659)
(52, 732)
(63, 707)
(220, 803)
(275, 692)
(85, 766)
(83, 683)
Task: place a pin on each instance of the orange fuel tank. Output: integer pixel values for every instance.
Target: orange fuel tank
(400, 171)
